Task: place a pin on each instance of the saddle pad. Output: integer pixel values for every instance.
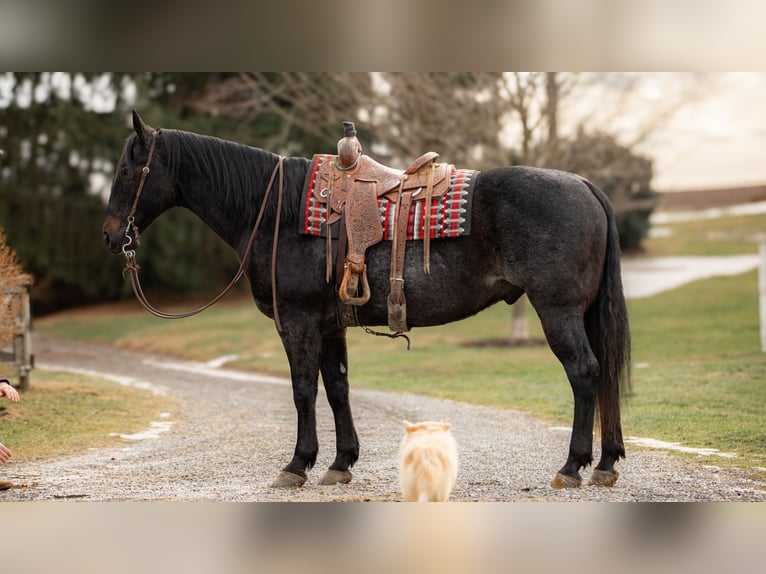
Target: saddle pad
(450, 214)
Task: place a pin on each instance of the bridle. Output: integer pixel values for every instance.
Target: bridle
(130, 254)
(131, 265)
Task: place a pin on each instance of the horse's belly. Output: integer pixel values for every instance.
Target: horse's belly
(457, 287)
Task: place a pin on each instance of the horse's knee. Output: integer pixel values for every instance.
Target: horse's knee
(337, 393)
(584, 389)
(304, 395)
(583, 376)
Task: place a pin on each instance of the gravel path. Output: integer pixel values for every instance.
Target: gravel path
(233, 431)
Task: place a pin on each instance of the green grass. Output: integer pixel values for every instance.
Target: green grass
(699, 376)
(723, 236)
(66, 413)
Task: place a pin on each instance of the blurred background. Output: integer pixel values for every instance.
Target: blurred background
(646, 138)
(643, 137)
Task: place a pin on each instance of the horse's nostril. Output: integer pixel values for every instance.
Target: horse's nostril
(106, 238)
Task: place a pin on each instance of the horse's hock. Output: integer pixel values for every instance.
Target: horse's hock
(16, 359)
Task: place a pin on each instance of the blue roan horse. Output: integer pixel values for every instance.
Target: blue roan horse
(545, 233)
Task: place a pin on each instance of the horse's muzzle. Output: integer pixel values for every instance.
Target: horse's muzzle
(114, 234)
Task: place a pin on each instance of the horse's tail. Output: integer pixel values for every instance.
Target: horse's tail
(606, 323)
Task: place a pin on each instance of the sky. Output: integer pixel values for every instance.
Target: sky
(712, 132)
(716, 139)
(702, 130)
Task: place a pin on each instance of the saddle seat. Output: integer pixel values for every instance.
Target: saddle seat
(386, 181)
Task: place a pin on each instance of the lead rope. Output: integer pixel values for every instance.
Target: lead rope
(131, 266)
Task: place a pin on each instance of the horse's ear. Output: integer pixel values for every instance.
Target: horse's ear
(142, 130)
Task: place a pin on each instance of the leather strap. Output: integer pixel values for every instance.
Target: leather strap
(340, 257)
(328, 247)
(427, 222)
(397, 314)
(144, 174)
(131, 266)
(275, 242)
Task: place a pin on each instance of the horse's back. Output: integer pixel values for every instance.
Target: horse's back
(537, 198)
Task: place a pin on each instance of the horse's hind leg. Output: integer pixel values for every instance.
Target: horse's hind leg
(612, 447)
(334, 368)
(565, 331)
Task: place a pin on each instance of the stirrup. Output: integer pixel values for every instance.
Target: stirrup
(349, 285)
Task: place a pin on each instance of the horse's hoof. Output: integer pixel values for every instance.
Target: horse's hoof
(288, 480)
(603, 477)
(333, 476)
(566, 481)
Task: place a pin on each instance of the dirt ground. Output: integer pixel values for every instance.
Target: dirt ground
(232, 432)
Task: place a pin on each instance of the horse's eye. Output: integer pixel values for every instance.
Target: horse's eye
(124, 171)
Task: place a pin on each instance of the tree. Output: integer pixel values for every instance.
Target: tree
(53, 133)
(399, 115)
(61, 134)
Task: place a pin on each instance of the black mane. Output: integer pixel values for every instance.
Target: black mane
(236, 172)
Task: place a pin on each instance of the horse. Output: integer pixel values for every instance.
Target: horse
(547, 233)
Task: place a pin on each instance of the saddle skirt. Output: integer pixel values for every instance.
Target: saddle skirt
(450, 206)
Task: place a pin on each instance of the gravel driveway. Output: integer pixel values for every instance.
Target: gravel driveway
(233, 431)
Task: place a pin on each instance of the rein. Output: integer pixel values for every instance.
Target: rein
(131, 265)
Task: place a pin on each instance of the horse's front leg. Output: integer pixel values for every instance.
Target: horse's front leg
(334, 367)
(302, 340)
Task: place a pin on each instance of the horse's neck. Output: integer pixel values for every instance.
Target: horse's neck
(221, 209)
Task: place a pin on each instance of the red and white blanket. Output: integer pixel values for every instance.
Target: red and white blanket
(450, 214)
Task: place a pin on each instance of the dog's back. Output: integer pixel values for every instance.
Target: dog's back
(428, 462)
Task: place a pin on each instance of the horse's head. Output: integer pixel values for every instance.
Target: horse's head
(131, 199)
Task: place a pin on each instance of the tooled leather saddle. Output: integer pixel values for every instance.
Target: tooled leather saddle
(350, 186)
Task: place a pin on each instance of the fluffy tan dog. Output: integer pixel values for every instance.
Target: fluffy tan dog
(427, 462)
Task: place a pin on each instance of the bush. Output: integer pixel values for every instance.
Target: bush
(12, 278)
(59, 241)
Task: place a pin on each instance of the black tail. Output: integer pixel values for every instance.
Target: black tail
(606, 323)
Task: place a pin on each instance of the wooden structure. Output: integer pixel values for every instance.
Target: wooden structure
(16, 359)
(762, 292)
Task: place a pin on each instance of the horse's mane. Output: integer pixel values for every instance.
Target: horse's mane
(237, 173)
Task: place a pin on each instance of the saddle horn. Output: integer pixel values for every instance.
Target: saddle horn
(349, 148)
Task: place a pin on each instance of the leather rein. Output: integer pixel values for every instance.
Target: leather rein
(131, 265)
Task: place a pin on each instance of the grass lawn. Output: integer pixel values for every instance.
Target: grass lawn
(65, 413)
(699, 376)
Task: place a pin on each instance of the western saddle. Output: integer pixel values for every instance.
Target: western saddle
(350, 186)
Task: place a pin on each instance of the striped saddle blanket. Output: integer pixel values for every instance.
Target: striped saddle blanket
(450, 213)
